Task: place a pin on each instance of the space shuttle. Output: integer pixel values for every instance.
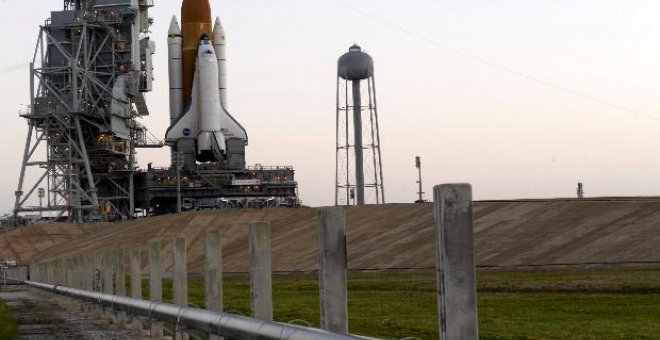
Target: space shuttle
(199, 118)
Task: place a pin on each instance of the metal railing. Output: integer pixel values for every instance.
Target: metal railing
(221, 324)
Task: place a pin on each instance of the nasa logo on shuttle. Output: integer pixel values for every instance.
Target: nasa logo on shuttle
(186, 132)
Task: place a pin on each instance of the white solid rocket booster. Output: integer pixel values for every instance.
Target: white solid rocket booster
(231, 127)
(175, 70)
(220, 47)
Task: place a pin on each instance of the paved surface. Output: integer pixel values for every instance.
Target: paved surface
(507, 233)
(39, 317)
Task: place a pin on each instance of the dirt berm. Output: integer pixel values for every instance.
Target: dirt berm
(507, 233)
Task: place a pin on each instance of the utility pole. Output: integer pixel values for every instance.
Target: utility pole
(418, 165)
(580, 190)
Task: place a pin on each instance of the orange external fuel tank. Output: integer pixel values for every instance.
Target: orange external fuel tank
(195, 22)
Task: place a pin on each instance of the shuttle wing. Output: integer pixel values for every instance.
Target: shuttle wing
(231, 128)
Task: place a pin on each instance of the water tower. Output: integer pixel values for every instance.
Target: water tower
(358, 165)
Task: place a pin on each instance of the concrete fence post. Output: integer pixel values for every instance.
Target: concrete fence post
(57, 274)
(107, 274)
(155, 283)
(89, 272)
(457, 299)
(60, 268)
(71, 271)
(85, 278)
(333, 269)
(260, 272)
(70, 267)
(51, 272)
(136, 280)
(98, 272)
(120, 281)
(38, 270)
(53, 275)
(79, 272)
(213, 273)
(54, 272)
(180, 278)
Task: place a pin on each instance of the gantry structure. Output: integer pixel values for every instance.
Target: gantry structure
(91, 67)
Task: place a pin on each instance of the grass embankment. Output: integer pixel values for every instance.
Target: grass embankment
(534, 304)
(7, 323)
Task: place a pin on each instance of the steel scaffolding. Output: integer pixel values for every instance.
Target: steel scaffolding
(91, 66)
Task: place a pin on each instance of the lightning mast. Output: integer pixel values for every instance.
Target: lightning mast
(418, 165)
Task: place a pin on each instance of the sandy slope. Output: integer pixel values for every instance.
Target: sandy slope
(508, 233)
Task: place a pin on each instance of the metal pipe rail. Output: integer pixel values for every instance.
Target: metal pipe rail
(222, 324)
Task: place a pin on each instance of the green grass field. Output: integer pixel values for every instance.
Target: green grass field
(524, 304)
(7, 323)
(529, 304)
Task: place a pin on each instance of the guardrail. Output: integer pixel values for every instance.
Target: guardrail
(214, 323)
(96, 277)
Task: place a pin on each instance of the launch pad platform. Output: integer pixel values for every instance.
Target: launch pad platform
(158, 190)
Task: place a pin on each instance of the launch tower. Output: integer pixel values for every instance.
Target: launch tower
(91, 66)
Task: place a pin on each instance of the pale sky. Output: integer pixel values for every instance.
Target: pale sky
(474, 116)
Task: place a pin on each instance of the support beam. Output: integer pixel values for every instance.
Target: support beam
(26, 159)
(357, 139)
(457, 294)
